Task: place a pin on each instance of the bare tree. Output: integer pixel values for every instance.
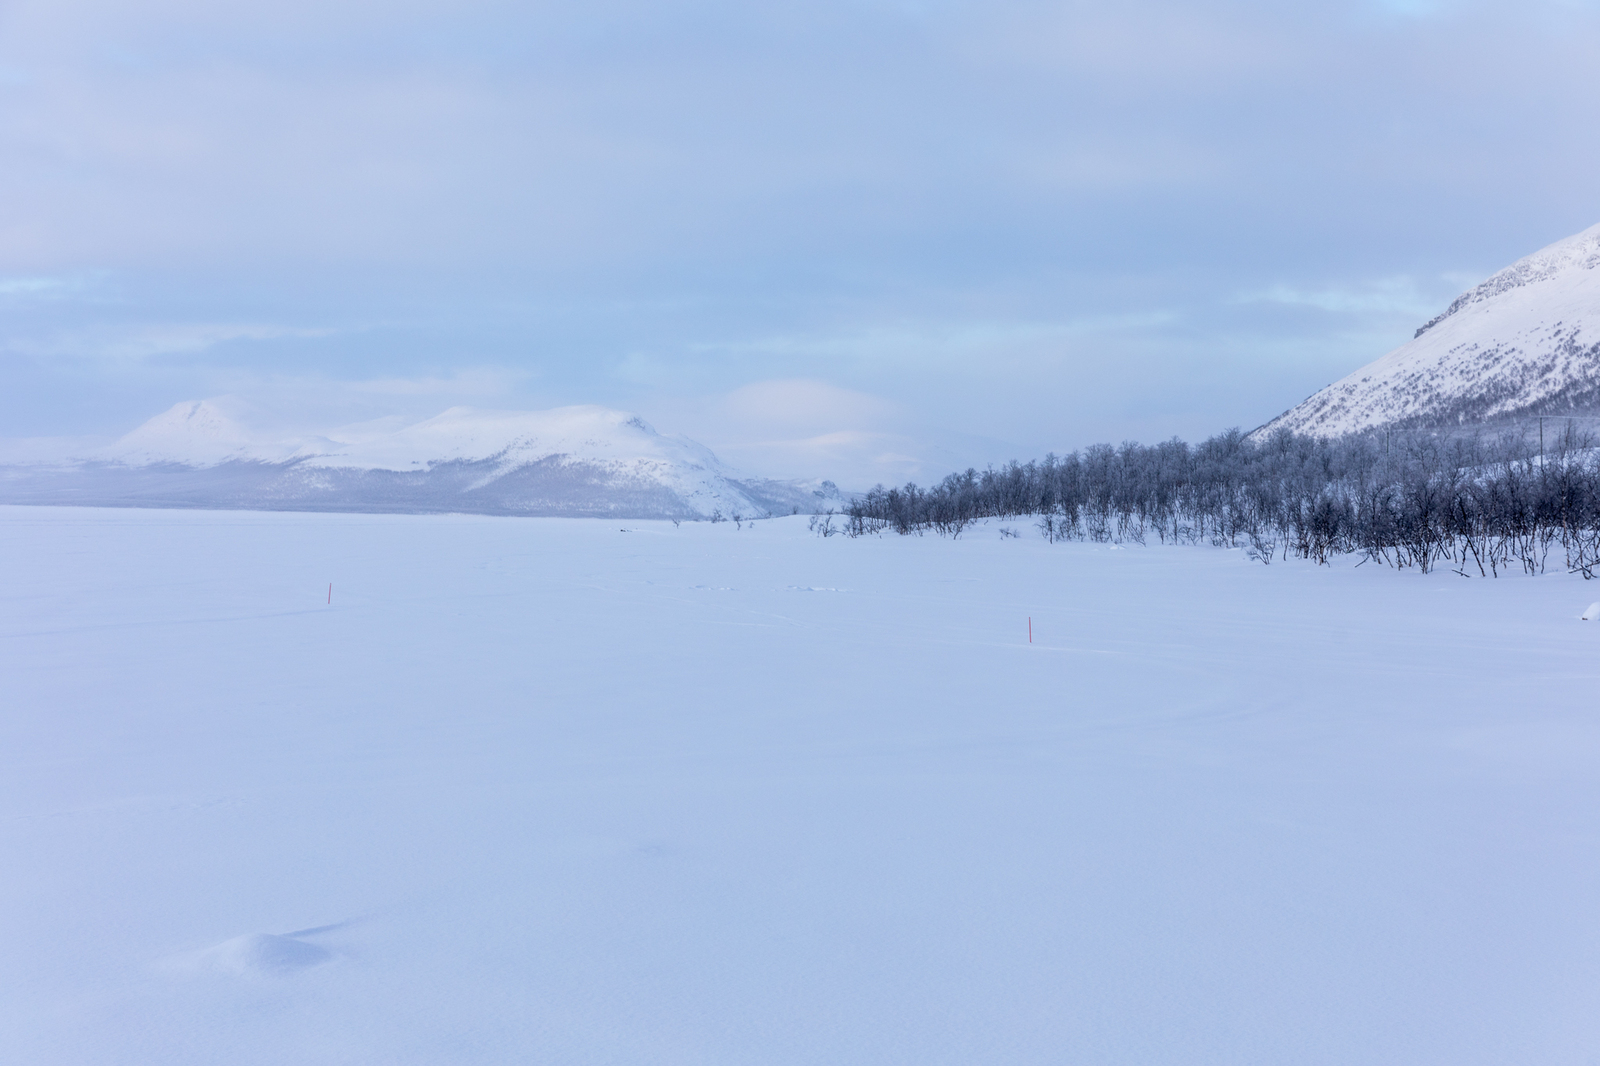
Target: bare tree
(1417, 499)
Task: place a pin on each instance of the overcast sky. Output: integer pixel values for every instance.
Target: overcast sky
(861, 237)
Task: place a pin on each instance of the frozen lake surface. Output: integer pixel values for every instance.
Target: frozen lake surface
(539, 790)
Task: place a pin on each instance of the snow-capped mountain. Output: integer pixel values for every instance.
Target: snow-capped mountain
(581, 460)
(1527, 341)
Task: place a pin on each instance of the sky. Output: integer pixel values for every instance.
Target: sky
(868, 239)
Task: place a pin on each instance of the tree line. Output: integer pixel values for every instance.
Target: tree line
(1477, 503)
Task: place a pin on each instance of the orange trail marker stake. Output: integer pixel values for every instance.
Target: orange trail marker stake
(1030, 617)
(330, 598)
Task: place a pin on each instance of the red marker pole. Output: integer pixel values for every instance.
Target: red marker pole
(1030, 617)
(330, 604)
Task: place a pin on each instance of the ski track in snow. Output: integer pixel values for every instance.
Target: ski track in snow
(531, 791)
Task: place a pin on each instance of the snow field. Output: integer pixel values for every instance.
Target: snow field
(540, 790)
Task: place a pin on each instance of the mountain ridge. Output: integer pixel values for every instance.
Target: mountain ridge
(1525, 341)
(581, 460)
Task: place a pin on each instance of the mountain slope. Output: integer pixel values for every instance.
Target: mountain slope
(581, 460)
(1526, 341)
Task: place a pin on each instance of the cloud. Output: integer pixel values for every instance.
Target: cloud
(144, 341)
(787, 405)
(1030, 218)
(1402, 295)
(490, 382)
(38, 288)
(935, 340)
(853, 459)
(313, 402)
(32, 286)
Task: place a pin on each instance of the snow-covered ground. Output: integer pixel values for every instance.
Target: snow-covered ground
(543, 791)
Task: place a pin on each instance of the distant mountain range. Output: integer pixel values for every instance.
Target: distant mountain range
(578, 461)
(1526, 342)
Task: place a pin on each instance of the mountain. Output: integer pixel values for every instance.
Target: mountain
(1525, 342)
(581, 461)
